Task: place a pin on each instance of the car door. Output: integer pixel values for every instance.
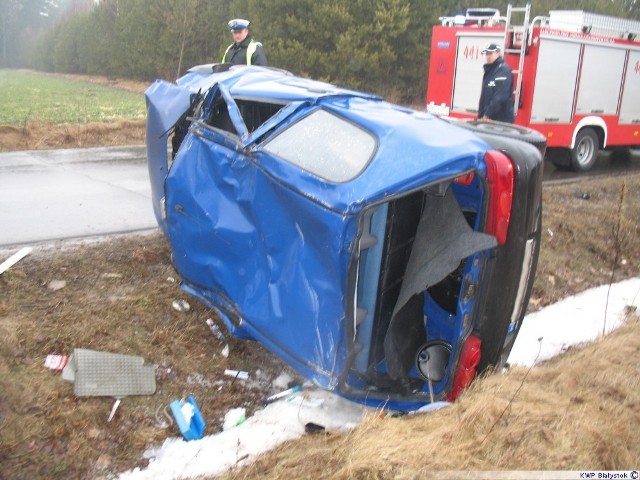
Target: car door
(270, 259)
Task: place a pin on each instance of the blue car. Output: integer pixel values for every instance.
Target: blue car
(386, 254)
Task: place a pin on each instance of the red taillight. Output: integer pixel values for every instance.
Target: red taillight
(467, 365)
(500, 178)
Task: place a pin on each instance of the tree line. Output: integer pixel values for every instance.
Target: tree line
(380, 46)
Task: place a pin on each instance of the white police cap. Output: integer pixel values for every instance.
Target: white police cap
(238, 24)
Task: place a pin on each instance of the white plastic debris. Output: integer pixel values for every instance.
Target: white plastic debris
(181, 306)
(237, 374)
(215, 330)
(233, 418)
(56, 285)
(15, 258)
(285, 393)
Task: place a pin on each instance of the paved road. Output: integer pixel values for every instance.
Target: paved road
(61, 194)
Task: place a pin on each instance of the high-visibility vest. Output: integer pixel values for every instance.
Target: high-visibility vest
(251, 49)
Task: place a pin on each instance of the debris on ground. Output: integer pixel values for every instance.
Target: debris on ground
(55, 285)
(283, 394)
(56, 362)
(95, 373)
(181, 306)
(234, 417)
(188, 418)
(216, 330)
(15, 258)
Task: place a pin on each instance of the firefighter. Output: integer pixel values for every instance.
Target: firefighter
(496, 101)
(244, 50)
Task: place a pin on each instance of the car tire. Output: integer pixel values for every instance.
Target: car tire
(507, 130)
(585, 151)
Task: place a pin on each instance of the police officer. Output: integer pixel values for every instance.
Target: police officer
(244, 50)
(496, 101)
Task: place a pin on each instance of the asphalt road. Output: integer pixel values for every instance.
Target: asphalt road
(77, 193)
(55, 195)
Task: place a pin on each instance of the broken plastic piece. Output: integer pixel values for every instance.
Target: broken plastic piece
(56, 362)
(215, 330)
(15, 258)
(283, 394)
(114, 408)
(181, 306)
(233, 418)
(56, 285)
(237, 374)
(188, 417)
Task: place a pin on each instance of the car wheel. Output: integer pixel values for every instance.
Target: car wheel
(508, 130)
(585, 151)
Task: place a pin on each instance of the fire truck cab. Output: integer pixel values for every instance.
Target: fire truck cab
(576, 76)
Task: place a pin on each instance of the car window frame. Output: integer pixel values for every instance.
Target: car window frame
(316, 174)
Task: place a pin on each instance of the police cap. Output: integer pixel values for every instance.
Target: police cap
(238, 24)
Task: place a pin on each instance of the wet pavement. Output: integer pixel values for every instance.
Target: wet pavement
(60, 194)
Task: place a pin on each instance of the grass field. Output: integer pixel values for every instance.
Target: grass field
(32, 97)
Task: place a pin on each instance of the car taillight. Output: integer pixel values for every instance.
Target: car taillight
(500, 178)
(467, 365)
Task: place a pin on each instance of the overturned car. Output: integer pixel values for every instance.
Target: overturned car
(384, 253)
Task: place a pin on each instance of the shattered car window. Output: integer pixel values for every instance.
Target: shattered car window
(325, 145)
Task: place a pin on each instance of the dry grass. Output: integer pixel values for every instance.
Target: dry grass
(577, 412)
(118, 299)
(44, 136)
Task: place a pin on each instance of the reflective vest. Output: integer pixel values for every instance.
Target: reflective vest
(251, 49)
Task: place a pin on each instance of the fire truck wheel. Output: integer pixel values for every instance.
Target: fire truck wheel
(585, 151)
(507, 130)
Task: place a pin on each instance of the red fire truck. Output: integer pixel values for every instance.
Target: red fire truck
(576, 76)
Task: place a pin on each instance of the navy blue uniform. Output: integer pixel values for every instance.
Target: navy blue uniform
(496, 98)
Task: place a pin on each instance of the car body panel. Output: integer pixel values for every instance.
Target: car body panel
(326, 224)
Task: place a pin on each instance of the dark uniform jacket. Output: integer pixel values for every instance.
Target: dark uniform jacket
(496, 98)
(236, 54)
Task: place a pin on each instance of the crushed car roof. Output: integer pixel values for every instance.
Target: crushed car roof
(412, 147)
